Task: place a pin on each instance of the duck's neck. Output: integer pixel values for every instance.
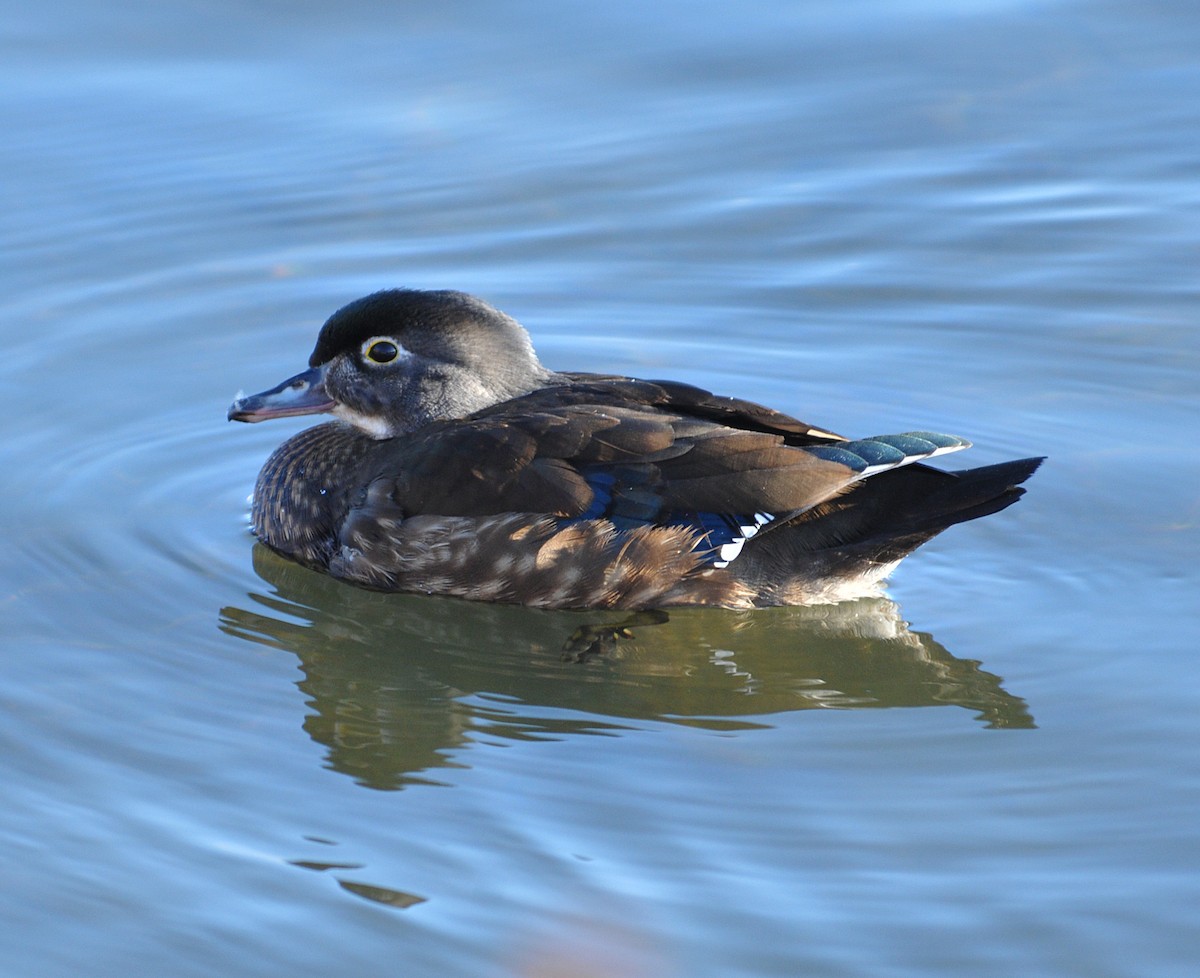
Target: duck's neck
(301, 496)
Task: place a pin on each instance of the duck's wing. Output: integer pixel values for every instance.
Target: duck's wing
(636, 453)
(669, 395)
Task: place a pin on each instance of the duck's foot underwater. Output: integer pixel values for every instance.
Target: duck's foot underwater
(590, 641)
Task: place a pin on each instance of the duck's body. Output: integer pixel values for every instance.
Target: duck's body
(460, 466)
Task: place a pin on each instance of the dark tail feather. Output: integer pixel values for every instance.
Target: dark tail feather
(853, 540)
(975, 493)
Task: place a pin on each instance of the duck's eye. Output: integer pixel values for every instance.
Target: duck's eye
(380, 351)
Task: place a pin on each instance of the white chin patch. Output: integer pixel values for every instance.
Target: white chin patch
(368, 424)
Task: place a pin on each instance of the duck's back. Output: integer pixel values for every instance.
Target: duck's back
(610, 492)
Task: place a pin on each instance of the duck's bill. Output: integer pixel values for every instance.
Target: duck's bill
(302, 394)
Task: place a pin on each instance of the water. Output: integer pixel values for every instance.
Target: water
(975, 218)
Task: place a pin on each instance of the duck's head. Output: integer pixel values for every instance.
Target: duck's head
(396, 360)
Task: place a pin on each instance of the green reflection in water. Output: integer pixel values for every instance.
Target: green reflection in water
(399, 685)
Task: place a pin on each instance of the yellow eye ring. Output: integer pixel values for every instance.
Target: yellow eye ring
(380, 349)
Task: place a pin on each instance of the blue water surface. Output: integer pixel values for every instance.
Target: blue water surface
(979, 218)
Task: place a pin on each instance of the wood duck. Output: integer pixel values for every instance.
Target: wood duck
(458, 465)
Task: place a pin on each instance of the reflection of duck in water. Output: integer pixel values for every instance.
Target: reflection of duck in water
(397, 685)
(459, 465)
